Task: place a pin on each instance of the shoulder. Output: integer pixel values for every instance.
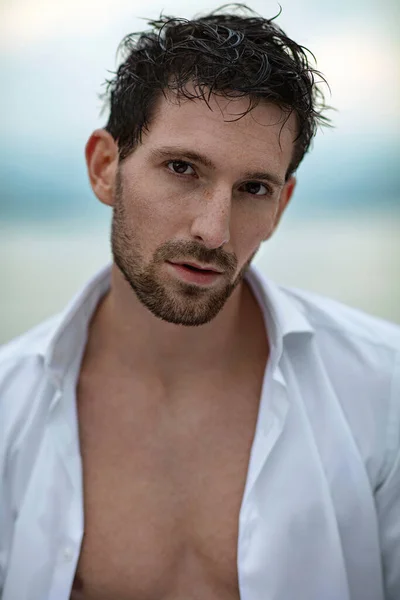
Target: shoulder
(359, 352)
(359, 355)
(333, 318)
(17, 354)
(21, 375)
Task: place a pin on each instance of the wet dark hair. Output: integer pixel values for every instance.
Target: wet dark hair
(231, 55)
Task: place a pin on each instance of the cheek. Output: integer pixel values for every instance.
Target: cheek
(250, 230)
(151, 213)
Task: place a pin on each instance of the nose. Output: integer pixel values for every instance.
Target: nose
(211, 224)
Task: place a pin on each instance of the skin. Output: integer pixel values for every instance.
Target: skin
(206, 208)
(169, 387)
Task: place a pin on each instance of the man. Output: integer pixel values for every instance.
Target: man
(187, 429)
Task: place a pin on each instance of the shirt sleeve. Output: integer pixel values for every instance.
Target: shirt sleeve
(388, 497)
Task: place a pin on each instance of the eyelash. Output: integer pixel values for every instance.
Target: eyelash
(185, 162)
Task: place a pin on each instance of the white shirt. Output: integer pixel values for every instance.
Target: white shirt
(320, 514)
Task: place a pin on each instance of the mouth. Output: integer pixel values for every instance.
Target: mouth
(195, 273)
(197, 267)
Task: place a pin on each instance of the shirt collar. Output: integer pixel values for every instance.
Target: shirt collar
(284, 313)
(282, 316)
(70, 333)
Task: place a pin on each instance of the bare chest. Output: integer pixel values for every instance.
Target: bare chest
(163, 485)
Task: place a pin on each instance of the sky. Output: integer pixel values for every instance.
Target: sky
(54, 57)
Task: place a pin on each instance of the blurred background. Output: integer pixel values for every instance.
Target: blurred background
(341, 233)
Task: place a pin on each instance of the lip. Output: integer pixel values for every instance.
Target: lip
(197, 266)
(202, 276)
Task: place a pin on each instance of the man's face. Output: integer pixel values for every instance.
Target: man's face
(195, 200)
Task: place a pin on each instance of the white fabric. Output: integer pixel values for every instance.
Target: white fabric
(320, 514)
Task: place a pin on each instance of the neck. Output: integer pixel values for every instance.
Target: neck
(132, 338)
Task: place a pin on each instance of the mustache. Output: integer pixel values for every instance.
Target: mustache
(177, 250)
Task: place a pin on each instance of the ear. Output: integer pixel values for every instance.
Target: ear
(286, 194)
(101, 154)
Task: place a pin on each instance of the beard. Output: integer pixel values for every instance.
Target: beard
(174, 301)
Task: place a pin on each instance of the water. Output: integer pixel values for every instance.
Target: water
(351, 258)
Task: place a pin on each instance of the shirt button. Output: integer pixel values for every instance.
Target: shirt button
(68, 554)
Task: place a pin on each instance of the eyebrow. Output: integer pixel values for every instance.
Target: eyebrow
(169, 151)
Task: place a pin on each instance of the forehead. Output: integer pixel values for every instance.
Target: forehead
(220, 125)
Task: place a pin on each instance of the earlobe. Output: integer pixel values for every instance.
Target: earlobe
(101, 153)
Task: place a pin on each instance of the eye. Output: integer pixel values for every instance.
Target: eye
(180, 167)
(256, 188)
